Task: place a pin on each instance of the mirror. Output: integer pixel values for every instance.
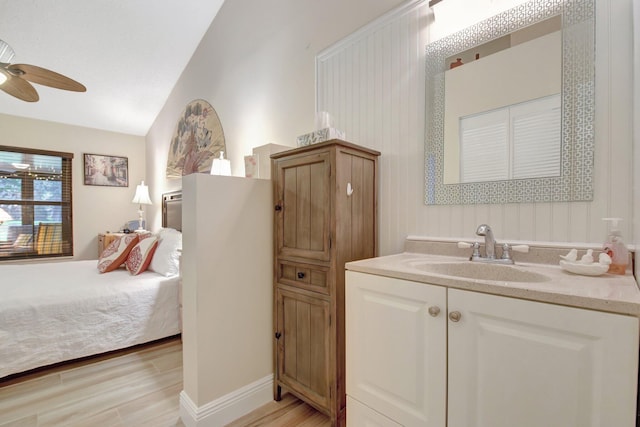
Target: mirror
(467, 86)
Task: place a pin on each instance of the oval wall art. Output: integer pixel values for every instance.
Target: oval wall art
(197, 139)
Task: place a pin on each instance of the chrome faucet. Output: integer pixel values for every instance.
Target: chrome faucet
(489, 241)
(490, 248)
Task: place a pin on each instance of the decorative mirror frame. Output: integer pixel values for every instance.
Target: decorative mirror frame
(578, 108)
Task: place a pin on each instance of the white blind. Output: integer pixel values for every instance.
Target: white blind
(536, 128)
(485, 147)
(514, 142)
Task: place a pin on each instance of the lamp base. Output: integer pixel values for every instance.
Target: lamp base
(140, 219)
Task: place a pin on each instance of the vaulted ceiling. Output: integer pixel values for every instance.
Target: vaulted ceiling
(128, 53)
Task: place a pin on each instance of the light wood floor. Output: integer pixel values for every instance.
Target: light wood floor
(138, 387)
(289, 412)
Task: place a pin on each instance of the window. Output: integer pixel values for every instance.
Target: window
(35, 203)
(515, 142)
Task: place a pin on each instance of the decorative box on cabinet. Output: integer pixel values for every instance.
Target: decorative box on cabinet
(468, 359)
(325, 198)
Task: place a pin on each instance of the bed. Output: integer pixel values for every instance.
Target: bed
(53, 312)
(75, 312)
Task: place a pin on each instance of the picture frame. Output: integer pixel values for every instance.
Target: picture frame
(107, 171)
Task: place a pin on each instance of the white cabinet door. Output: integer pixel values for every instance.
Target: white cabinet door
(527, 364)
(396, 349)
(359, 415)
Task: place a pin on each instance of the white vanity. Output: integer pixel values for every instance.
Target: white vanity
(429, 347)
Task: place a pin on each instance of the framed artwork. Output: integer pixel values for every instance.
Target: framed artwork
(110, 171)
(197, 139)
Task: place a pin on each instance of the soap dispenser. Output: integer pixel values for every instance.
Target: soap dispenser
(615, 248)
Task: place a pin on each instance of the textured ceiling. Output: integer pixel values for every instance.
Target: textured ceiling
(128, 53)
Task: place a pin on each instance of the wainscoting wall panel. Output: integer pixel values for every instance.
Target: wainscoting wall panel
(372, 83)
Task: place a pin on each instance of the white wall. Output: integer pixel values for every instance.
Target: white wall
(95, 209)
(373, 84)
(227, 269)
(255, 66)
(636, 130)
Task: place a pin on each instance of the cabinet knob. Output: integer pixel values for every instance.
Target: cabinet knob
(455, 316)
(300, 275)
(278, 207)
(434, 311)
(278, 335)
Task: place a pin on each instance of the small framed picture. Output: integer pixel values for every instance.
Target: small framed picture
(111, 171)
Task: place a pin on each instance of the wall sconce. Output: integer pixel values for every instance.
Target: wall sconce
(221, 166)
(141, 198)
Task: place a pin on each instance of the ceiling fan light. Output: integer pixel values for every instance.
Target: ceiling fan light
(3, 77)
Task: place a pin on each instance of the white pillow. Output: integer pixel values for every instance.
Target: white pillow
(166, 259)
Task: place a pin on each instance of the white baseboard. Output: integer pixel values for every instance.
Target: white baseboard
(227, 408)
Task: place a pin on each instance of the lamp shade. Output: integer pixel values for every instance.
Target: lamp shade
(221, 166)
(142, 195)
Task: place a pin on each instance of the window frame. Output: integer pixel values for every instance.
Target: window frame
(28, 199)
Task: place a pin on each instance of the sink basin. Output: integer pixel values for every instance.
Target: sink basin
(479, 271)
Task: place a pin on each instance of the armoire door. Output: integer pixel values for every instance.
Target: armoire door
(303, 206)
(303, 345)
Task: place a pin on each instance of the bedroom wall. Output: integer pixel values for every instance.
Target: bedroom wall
(373, 83)
(257, 70)
(95, 209)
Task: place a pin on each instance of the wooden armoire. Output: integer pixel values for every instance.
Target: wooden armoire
(325, 201)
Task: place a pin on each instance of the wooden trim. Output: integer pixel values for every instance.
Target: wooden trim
(433, 2)
(336, 142)
(36, 151)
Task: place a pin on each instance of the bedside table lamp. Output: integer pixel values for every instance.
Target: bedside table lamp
(141, 198)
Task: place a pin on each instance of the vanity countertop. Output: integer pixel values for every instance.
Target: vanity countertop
(608, 292)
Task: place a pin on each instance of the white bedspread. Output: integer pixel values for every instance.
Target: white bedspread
(52, 312)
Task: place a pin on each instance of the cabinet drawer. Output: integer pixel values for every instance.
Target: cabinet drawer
(311, 277)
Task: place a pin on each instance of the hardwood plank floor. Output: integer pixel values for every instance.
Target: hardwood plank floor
(136, 387)
(289, 412)
(128, 388)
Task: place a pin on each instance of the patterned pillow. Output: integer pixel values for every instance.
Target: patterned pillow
(116, 253)
(141, 254)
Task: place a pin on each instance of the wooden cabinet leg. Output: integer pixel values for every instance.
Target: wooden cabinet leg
(277, 393)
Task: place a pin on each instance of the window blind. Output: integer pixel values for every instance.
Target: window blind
(36, 203)
(514, 142)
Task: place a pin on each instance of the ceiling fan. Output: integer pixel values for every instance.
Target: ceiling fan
(15, 78)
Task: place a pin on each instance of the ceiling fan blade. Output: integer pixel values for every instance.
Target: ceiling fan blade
(45, 77)
(19, 88)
